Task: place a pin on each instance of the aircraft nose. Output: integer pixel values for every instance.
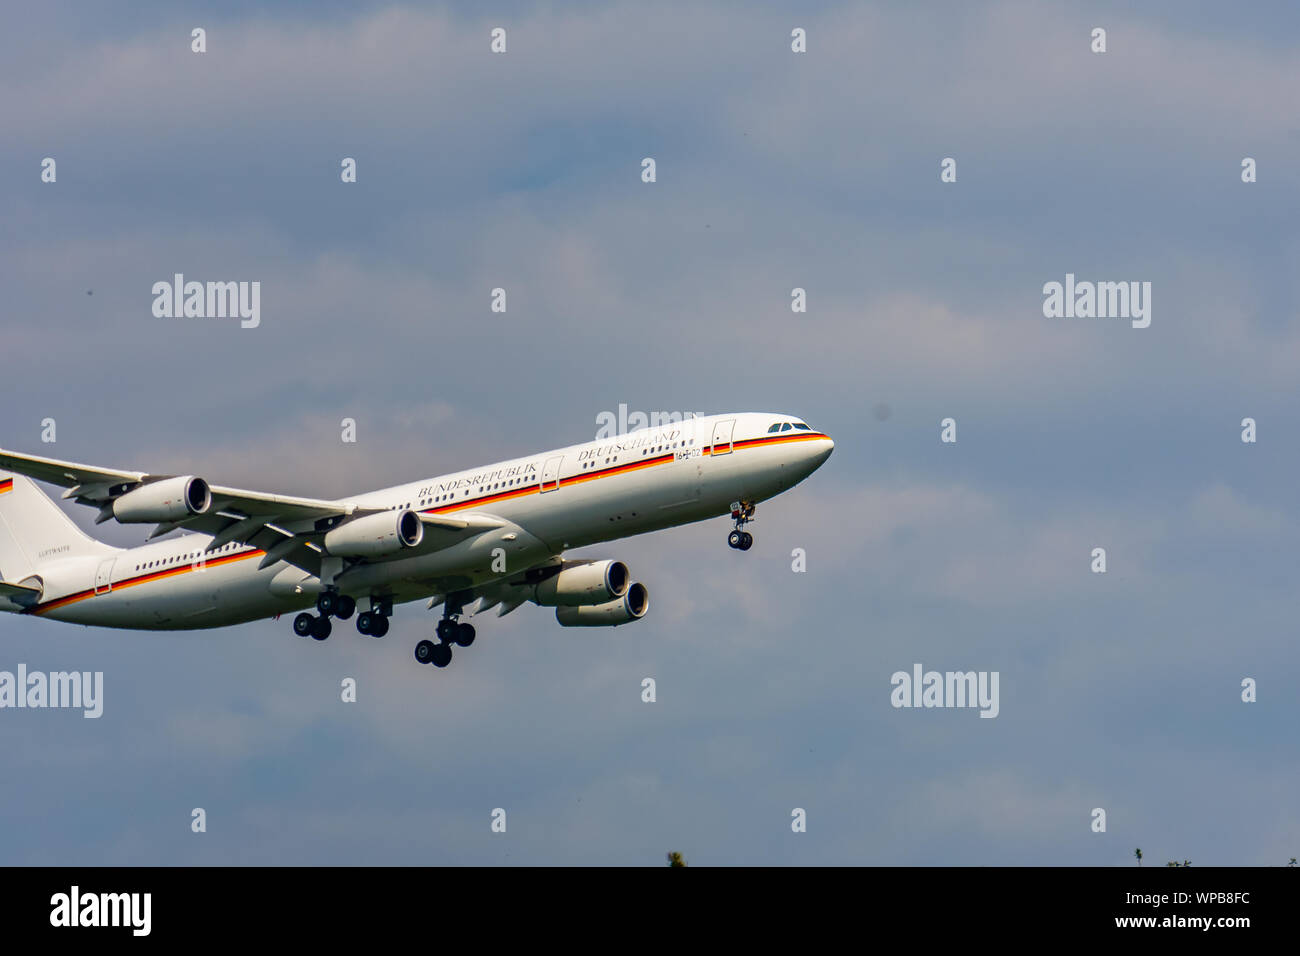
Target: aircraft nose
(824, 451)
(821, 450)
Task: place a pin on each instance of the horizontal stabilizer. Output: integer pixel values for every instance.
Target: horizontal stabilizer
(18, 594)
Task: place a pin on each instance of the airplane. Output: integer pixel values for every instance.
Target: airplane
(492, 537)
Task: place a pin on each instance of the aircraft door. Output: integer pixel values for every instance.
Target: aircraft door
(104, 576)
(551, 473)
(722, 431)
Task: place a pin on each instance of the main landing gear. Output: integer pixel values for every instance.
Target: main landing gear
(449, 631)
(743, 512)
(332, 603)
(374, 623)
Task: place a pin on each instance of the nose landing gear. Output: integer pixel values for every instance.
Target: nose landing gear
(742, 512)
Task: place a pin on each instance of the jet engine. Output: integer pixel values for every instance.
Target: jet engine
(171, 500)
(583, 583)
(630, 607)
(376, 535)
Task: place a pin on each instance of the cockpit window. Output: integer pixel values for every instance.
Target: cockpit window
(802, 426)
(785, 427)
(774, 428)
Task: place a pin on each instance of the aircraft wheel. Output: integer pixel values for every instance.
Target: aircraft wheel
(366, 622)
(736, 539)
(747, 541)
(346, 607)
(424, 651)
(302, 624)
(379, 626)
(327, 602)
(441, 655)
(464, 635)
(321, 628)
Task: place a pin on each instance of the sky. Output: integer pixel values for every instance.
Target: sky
(775, 170)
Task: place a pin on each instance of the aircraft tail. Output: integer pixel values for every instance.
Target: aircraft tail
(34, 530)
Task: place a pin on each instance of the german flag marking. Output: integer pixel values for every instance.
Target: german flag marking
(779, 440)
(782, 439)
(6, 485)
(631, 466)
(159, 575)
(496, 496)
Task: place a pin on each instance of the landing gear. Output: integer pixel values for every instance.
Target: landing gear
(330, 603)
(307, 625)
(455, 632)
(427, 652)
(449, 631)
(742, 512)
(372, 623)
(333, 604)
(740, 540)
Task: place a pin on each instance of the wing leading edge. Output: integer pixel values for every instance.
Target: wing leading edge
(286, 528)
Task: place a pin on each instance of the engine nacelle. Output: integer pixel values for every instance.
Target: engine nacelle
(374, 535)
(630, 607)
(583, 583)
(162, 501)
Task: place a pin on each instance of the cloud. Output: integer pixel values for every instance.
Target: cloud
(775, 171)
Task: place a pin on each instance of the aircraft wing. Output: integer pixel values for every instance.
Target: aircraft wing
(286, 528)
(65, 473)
(98, 486)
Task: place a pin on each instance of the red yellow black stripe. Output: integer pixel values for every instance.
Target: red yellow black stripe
(496, 496)
(631, 466)
(6, 484)
(626, 468)
(782, 439)
(145, 579)
(512, 493)
(493, 497)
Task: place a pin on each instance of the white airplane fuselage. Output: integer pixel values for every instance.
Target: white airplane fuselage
(550, 502)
